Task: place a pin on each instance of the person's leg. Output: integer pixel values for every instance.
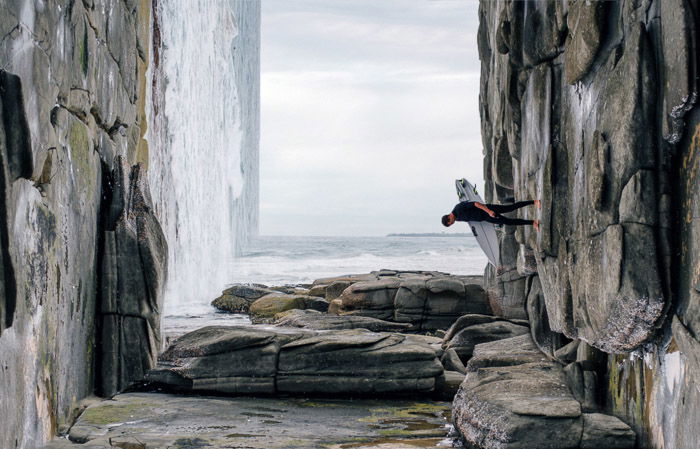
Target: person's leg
(504, 208)
(509, 221)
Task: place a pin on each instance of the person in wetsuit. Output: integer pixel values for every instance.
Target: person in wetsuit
(475, 211)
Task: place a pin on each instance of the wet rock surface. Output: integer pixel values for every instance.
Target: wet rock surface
(133, 272)
(72, 94)
(137, 420)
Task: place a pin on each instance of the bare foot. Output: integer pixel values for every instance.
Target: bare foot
(536, 225)
(538, 204)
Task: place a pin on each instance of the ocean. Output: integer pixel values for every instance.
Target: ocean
(282, 260)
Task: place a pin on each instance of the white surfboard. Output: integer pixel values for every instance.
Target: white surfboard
(484, 231)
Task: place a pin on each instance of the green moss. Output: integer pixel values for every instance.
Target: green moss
(409, 412)
(80, 151)
(107, 413)
(83, 50)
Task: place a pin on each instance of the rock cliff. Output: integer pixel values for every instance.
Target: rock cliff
(591, 106)
(82, 255)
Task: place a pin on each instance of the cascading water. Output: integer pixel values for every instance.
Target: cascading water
(203, 138)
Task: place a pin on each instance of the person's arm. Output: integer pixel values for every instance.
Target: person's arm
(484, 208)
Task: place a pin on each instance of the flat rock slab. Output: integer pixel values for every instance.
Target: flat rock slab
(273, 360)
(154, 420)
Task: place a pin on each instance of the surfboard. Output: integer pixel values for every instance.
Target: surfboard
(484, 231)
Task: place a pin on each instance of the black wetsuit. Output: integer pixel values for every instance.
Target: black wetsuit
(467, 211)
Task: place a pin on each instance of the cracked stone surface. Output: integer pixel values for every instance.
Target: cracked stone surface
(170, 421)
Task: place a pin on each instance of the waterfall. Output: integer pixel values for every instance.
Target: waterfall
(203, 140)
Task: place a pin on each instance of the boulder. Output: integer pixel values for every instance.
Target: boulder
(510, 351)
(318, 290)
(291, 360)
(371, 298)
(336, 288)
(265, 308)
(464, 341)
(526, 402)
(466, 321)
(239, 297)
(451, 362)
(600, 430)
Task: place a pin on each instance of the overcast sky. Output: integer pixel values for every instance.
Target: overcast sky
(369, 114)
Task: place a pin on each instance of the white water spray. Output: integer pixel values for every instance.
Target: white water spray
(203, 138)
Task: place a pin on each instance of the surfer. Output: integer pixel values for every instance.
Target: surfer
(476, 211)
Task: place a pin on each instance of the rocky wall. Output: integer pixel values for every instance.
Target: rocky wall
(591, 107)
(72, 91)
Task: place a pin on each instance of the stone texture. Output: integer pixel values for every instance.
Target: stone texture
(298, 361)
(312, 319)
(585, 22)
(526, 403)
(601, 430)
(239, 297)
(134, 266)
(588, 152)
(151, 420)
(427, 301)
(265, 308)
(606, 135)
(464, 340)
(78, 109)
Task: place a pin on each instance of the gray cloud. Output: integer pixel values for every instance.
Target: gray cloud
(369, 112)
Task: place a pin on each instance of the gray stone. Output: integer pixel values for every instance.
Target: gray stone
(466, 321)
(464, 341)
(237, 360)
(373, 298)
(527, 403)
(57, 159)
(133, 276)
(568, 352)
(312, 319)
(506, 352)
(585, 21)
(186, 421)
(520, 406)
(678, 68)
(606, 431)
(448, 385)
(547, 340)
(426, 300)
(263, 310)
(318, 290)
(451, 362)
(336, 288)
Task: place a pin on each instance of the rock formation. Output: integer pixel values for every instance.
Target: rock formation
(244, 360)
(72, 94)
(514, 397)
(426, 300)
(132, 277)
(591, 107)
